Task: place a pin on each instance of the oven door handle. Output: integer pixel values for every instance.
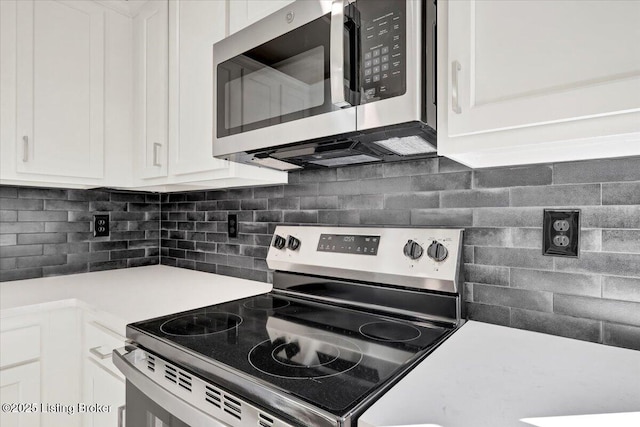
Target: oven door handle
(336, 47)
(124, 359)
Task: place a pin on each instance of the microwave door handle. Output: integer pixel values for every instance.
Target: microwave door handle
(337, 54)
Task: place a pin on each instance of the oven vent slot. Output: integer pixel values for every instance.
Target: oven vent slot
(151, 363)
(232, 406)
(264, 421)
(184, 381)
(171, 373)
(213, 396)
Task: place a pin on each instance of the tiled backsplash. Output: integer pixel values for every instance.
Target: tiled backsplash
(508, 281)
(49, 232)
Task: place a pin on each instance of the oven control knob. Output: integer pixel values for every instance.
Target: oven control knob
(278, 242)
(437, 251)
(413, 250)
(293, 243)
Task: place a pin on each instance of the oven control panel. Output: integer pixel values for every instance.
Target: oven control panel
(349, 244)
(383, 38)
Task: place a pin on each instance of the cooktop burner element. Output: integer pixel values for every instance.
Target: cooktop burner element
(390, 331)
(265, 303)
(313, 357)
(201, 324)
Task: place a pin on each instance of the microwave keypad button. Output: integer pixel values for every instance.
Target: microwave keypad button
(376, 52)
(367, 55)
(385, 58)
(376, 70)
(376, 61)
(384, 50)
(367, 64)
(376, 78)
(367, 71)
(385, 67)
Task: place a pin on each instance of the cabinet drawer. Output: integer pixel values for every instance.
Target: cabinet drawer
(99, 343)
(19, 345)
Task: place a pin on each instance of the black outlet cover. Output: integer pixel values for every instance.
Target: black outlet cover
(101, 225)
(232, 225)
(549, 232)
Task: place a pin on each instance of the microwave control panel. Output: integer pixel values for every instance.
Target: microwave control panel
(383, 38)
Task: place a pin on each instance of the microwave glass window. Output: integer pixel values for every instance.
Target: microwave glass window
(295, 84)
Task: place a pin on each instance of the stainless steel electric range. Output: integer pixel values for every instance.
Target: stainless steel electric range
(352, 311)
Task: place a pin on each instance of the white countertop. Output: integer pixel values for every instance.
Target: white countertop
(493, 376)
(126, 295)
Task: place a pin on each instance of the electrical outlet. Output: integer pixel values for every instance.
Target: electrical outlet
(101, 225)
(232, 225)
(561, 233)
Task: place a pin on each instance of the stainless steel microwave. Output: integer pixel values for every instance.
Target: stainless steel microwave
(324, 83)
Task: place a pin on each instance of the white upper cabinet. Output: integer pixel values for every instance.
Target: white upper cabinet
(151, 103)
(525, 73)
(194, 26)
(243, 13)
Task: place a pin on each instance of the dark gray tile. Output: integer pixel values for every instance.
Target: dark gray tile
(66, 226)
(35, 238)
(195, 216)
(21, 227)
(65, 205)
(165, 260)
(253, 204)
(267, 216)
(207, 268)
(263, 239)
(143, 207)
(195, 196)
(338, 217)
(254, 251)
(556, 195)
(512, 257)
(41, 260)
(498, 276)
(449, 181)
(528, 238)
(467, 292)
(600, 309)
(240, 193)
(21, 204)
(128, 197)
(240, 261)
(509, 297)
(243, 273)
(338, 188)
(218, 237)
(41, 193)
(590, 240)
(209, 205)
(627, 193)
(216, 258)
(108, 265)
(188, 206)
(621, 288)
(88, 257)
(260, 264)
(559, 283)
(216, 195)
(556, 324)
(603, 263)
(361, 202)
(282, 204)
(307, 217)
(8, 192)
(196, 256)
(508, 217)
(488, 313)
(603, 170)
(512, 177)
(385, 217)
(65, 248)
(127, 216)
(177, 197)
(297, 190)
(73, 216)
(8, 239)
(8, 263)
(101, 206)
(413, 200)
(107, 246)
(401, 184)
(467, 254)
(21, 274)
(206, 246)
(229, 249)
(42, 216)
(414, 167)
(177, 253)
(360, 172)
(442, 217)
(320, 202)
(243, 239)
(10, 215)
(59, 270)
(89, 195)
(611, 217)
(621, 241)
(621, 336)
(154, 198)
(185, 263)
(474, 198)
(487, 236)
(216, 216)
(206, 226)
(140, 262)
(318, 175)
(127, 253)
(270, 192)
(447, 165)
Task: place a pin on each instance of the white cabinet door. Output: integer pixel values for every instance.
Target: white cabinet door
(60, 88)
(517, 63)
(194, 26)
(21, 384)
(104, 388)
(243, 13)
(151, 58)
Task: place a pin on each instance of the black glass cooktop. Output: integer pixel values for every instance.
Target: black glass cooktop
(329, 356)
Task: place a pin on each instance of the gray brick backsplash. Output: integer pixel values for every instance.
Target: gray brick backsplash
(50, 230)
(507, 280)
(627, 169)
(512, 177)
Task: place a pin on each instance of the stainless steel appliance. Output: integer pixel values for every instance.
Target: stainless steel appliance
(352, 311)
(324, 83)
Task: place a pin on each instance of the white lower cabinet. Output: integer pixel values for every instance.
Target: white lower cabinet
(103, 388)
(20, 385)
